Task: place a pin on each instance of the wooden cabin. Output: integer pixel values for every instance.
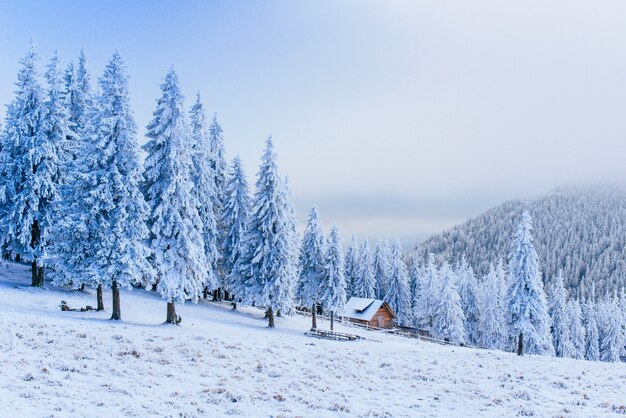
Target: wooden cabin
(372, 312)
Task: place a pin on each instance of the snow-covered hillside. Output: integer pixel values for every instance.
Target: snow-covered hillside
(578, 231)
(220, 362)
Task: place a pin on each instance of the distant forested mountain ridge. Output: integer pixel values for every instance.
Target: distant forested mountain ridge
(581, 231)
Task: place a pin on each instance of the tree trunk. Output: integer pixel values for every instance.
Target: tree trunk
(99, 298)
(34, 273)
(278, 313)
(82, 287)
(117, 314)
(226, 295)
(172, 318)
(520, 344)
(206, 292)
(270, 317)
(313, 318)
(332, 320)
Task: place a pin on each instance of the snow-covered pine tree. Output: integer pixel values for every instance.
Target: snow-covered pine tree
(333, 294)
(527, 316)
(282, 290)
(219, 166)
(491, 324)
(557, 309)
(592, 338)
(425, 306)
(176, 240)
(351, 263)
(382, 266)
(27, 187)
(204, 191)
(31, 163)
(235, 219)
(576, 329)
(267, 260)
(364, 281)
(611, 340)
(467, 286)
(399, 293)
(312, 255)
(71, 245)
(106, 228)
(448, 319)
(415, 283)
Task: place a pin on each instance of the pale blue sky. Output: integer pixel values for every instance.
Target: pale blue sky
(395, 117)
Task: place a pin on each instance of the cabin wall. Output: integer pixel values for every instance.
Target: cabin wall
(382, 319)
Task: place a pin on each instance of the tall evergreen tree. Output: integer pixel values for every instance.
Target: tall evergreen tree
(576, 329)
(467, 286)
(430, 288)
(592, 338)
(333, 294)
(491, 324)
(71, 246)
(527, 316)
(448, 319)
(204, 191)
(364, 280)
(415, 284)
(235, 219)
(29, 170)
(311, 265)
(382, 267)
(351, 262)
(176, 240)
(267, 266)
(106, 227)
(399, 293)
(611, 341)
(560, 321)
(218, 165)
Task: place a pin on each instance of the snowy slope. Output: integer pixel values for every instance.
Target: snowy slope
(220, 362)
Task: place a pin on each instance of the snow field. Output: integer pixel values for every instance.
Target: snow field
(222, 363)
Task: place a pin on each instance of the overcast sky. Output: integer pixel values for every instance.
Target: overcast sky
(394, 117)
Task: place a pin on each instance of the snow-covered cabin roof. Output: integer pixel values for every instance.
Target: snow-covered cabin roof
(362, 308)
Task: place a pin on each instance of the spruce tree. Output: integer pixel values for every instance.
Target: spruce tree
(415, 284)
(560, 320)
(312, 255)
(351, 264)
(333, 294)
(382, 267)
(467, 286)
(176, 239)
(29, 164)
(448, 318)
(611, 340)
(218, 165)
(592, 337)
(234, 218)
(399, 293)
(204, 190)
(364, 280)
(527, 316)
(576, 329)
(106, 239)
(267, 267)
(491, 324)
(430, 288)
(71, 245)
